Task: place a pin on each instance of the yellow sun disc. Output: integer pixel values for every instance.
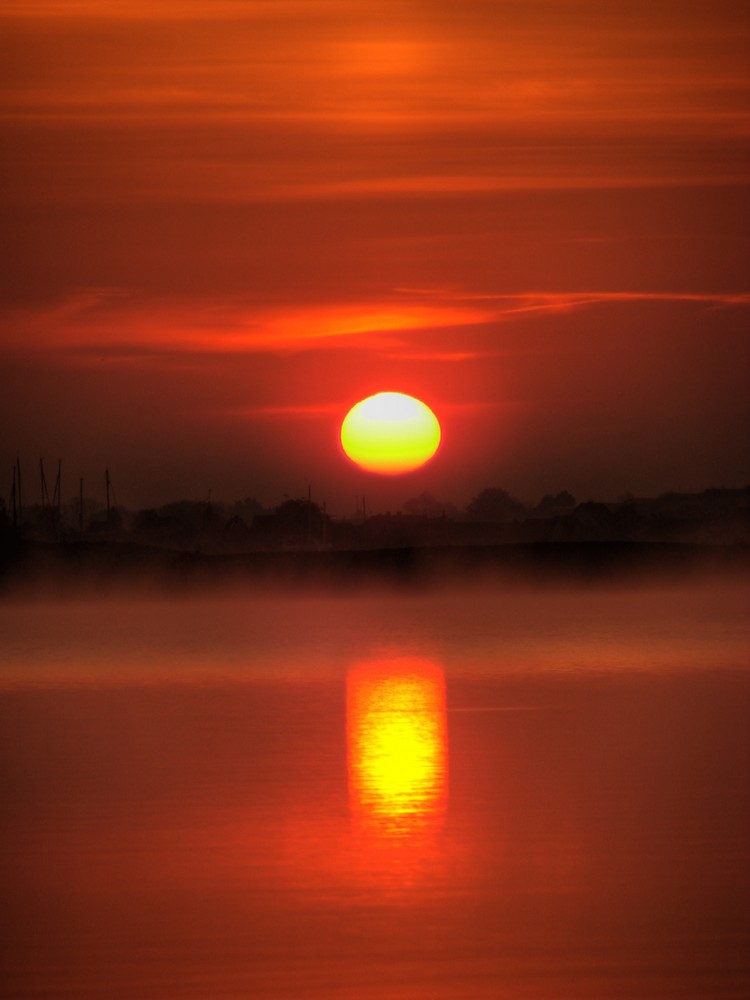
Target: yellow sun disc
(390, 433)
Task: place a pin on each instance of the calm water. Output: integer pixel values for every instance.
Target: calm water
(485, 795)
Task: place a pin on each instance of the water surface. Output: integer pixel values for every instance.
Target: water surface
(487, 794)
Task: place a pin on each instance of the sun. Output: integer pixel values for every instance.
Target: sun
(390, 433)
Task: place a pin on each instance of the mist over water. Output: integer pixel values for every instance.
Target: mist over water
(478, 791)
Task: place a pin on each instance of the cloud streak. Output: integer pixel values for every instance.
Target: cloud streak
(107, 324)
(105, 319)
(510, 305)
(258, 100)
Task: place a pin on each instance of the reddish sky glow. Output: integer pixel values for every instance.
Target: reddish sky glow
(226, 222)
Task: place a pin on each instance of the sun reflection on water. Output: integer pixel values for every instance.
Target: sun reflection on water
(397, 746)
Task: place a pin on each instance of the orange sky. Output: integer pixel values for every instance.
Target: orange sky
(225, 222)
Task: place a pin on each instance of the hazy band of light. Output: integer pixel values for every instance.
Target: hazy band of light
(104, 319)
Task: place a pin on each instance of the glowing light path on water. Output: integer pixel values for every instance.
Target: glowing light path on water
(397, 745)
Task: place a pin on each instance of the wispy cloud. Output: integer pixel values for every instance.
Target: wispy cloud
(107, 320)
(280, 412)
(165, 10)
(510, 305)
(428, 355)
(108, 323)
(260, 99)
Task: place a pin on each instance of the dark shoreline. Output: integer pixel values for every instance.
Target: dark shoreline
(28, 567)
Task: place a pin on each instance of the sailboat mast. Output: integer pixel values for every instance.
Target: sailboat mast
(43, 482)
(56, 495)
(13, 501)
(20, 495)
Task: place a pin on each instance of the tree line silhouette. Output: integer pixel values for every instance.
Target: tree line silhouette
(491, 517)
